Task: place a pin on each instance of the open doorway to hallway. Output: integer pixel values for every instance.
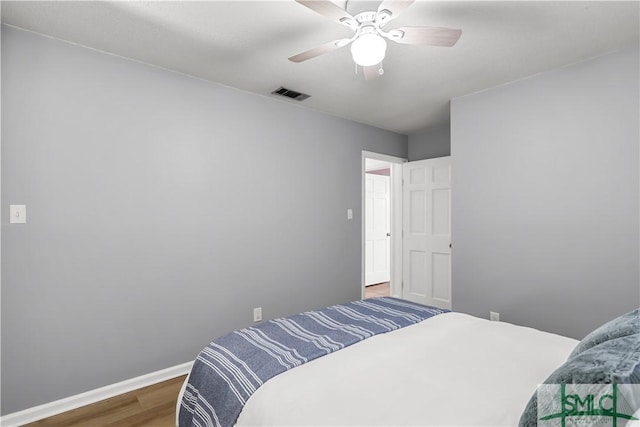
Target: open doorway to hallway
(377, 227)
(381, 224)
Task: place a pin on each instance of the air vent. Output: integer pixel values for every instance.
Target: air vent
(283, 91)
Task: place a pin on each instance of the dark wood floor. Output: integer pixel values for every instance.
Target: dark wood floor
(153, 406)
(379, 290)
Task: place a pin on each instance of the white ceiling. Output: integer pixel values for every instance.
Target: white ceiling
(245, 44)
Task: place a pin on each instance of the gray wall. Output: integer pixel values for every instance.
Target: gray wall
(161, 209)
(430, 143)
(545, 200)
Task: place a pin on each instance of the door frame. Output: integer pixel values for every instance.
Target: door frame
(396, 220)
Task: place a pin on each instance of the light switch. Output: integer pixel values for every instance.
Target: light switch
(17, 214)
(349, 213)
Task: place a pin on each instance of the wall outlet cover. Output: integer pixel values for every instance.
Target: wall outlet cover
(257, 314)
(17, 214)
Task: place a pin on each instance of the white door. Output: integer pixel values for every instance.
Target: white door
(426, 251)
(377, 229)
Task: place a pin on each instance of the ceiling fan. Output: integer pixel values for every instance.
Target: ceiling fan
(368, 46)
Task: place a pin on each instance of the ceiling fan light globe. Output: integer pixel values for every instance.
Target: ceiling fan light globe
(368, 50)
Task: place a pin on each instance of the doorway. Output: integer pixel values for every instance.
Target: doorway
(420, 229)
(381, 224)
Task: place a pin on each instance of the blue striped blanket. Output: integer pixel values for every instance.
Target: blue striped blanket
(230, 369)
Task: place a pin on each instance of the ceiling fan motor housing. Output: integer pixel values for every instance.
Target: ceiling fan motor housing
(368, 45)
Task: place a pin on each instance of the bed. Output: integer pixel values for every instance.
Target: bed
(446, 369)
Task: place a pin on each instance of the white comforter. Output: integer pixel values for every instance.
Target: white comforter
(450, 370)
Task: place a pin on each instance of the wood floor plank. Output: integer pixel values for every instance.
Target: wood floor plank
(111, 415)
(379, 290)
(150, 418)
(94, 411)
(158, 396)
(153, 406)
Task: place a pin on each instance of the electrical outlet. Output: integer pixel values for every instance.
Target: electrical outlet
(494, 316)
(17, 214)
(257, 314)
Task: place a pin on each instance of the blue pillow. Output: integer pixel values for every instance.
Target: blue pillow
(627, 324)
(614, 361)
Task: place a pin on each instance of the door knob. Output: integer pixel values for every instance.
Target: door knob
(388, 234)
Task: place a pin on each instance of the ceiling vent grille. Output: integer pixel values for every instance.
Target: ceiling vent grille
(283, 91)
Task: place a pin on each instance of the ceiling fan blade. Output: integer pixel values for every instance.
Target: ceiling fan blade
(319, 50)
(330, 10)
(373, 72)
(433, 36)
(394, 7)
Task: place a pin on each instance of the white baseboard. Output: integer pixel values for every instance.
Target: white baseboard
(83, 399)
